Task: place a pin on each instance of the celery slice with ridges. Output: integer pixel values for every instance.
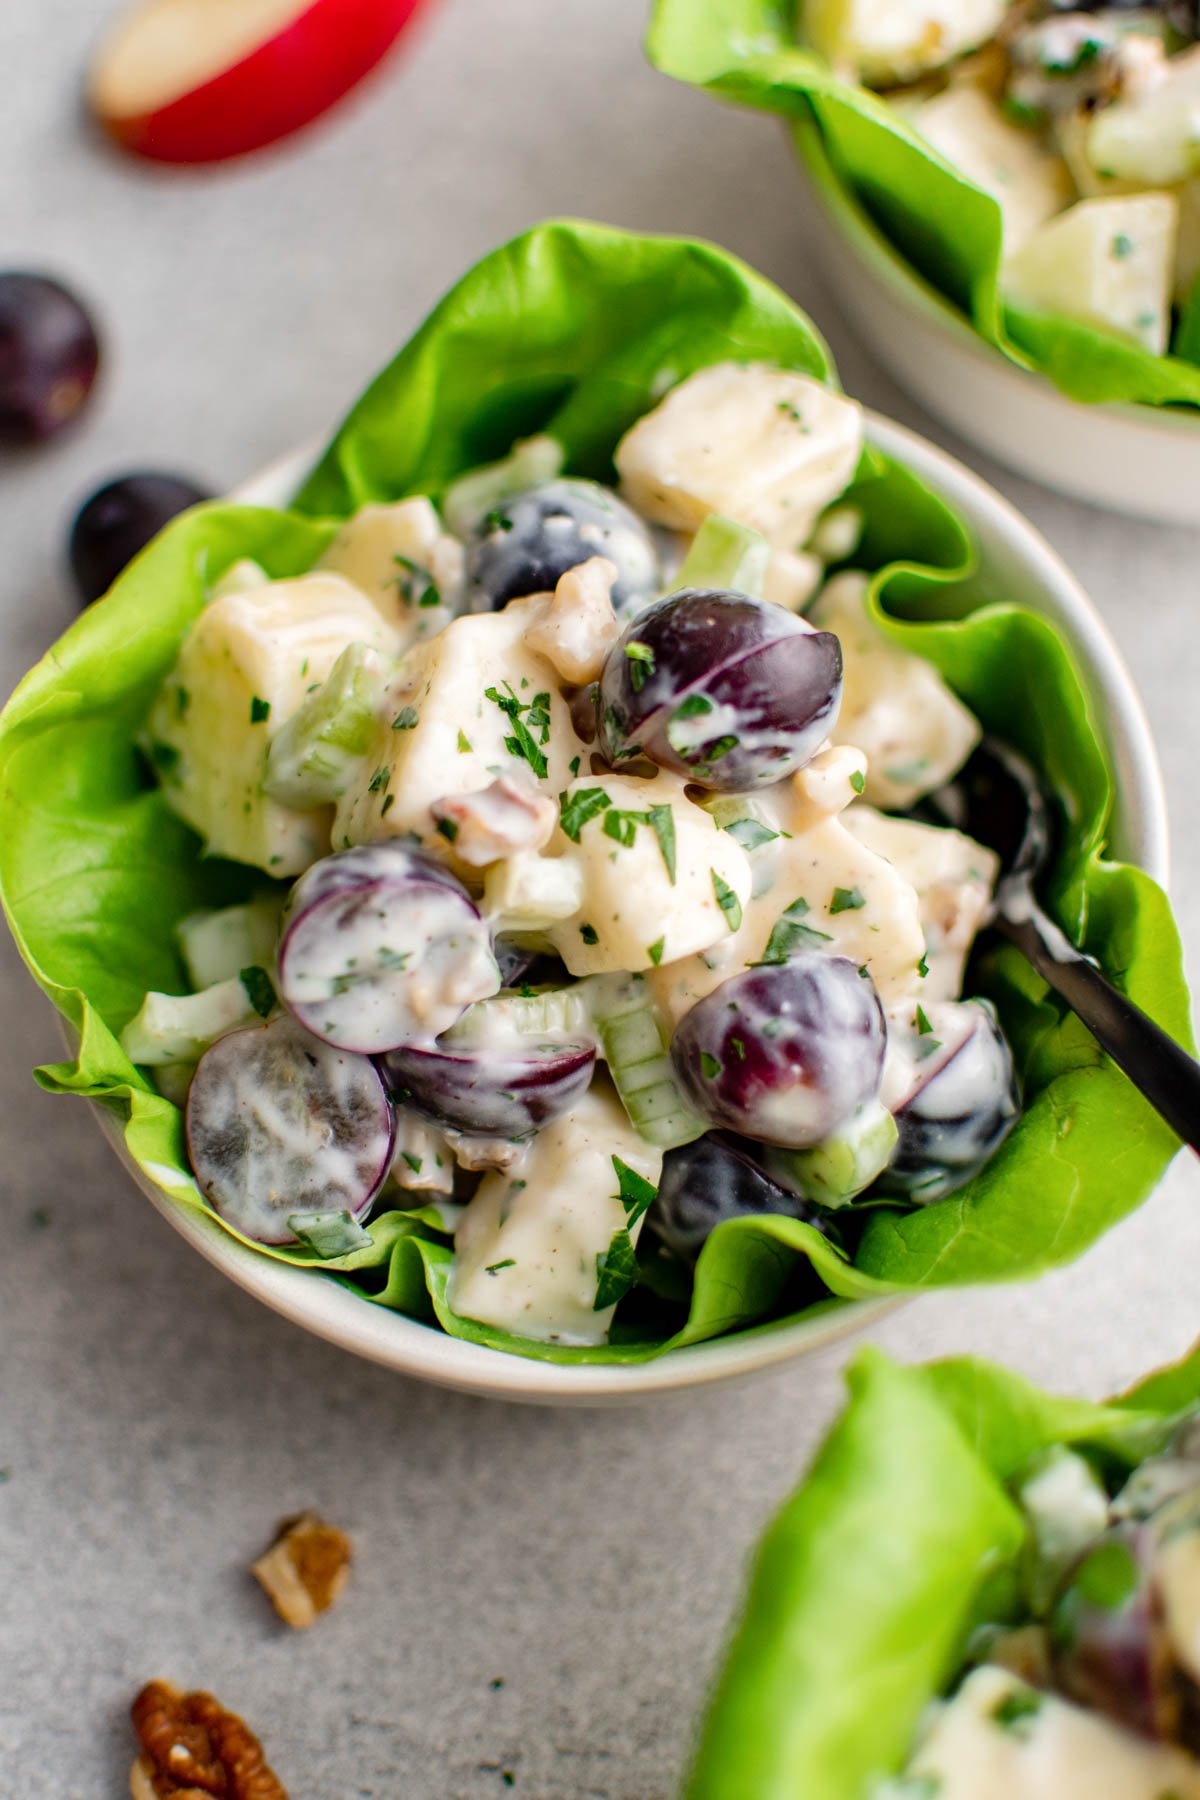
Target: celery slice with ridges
(313, 758)
(636, 1046)
(835, 1172)
(724, 554)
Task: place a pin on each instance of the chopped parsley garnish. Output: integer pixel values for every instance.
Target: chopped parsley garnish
(662, 824)
(415, 1163)
(405, 719)
(508, 1262)
(523, 743)
(1013, 1712)
(908, 774)
(922, 1022)
(641, 663)
(750, 833)
(616, 1271)
(710, 1068)
(497, 520)
(387, 958)
(464, 743)
(655, 951)
(448, 829)
(858, 781)
(416, 584)
(693, 707)
(573, 765)
(259, 710)
(635, 1193)
(727, 900)
(165, 757)
(182, 701)
(1122, 246)
(380, 780)
(576, 809)
(847, 900)
(589, 934)
(622, 826)
(260, 991)
(923, 966)
(789, 934)
(389, 800)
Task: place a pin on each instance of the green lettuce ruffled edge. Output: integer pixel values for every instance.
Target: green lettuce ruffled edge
(865, 1585)
(576, 329)
(940, 224)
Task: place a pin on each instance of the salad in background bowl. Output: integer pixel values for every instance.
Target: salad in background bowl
(491, 882)
(1007, 206)
(979, 1592)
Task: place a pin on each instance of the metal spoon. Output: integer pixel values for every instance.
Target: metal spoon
(998, 801)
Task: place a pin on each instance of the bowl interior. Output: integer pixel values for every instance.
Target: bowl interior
(1015, 563)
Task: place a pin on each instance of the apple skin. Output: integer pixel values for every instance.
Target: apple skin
(281, 86)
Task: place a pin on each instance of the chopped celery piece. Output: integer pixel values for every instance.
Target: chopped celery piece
(468, 500)
(216, 945)
(329, 1233)
(178, 1028)
(512, 1014)
(313, 758)
(239, 578)
(725, 554)
(833, 1173)
(636, 1046)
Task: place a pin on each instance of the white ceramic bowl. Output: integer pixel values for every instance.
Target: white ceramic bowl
(1134, 459)
(1016, 563)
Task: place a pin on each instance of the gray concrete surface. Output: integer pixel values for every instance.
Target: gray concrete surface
(154, 1422)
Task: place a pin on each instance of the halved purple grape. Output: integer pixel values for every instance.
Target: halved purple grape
(527, 542)
(381, 946)
(119, 520)
(49, 356)
(490, 1090)
(279, 1124)
(965, 1100)
(785, 1053)
(706, 1182)
(732, 693)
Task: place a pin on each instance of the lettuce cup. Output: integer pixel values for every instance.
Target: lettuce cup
(979, 1592)
(485, 879)
(1006, 209)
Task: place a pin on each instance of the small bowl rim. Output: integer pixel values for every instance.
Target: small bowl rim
(908, 287)
(410, 1347)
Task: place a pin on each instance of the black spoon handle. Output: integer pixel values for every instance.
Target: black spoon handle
(1154, 1062)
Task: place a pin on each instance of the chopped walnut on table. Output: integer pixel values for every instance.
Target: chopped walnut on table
(496, 821)
(193, 1748)
(305, 1569)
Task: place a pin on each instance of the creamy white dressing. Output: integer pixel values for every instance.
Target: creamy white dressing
(999, 1739)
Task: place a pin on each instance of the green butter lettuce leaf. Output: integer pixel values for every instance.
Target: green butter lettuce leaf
(872, 165)
(96, 872)
(865, 1586)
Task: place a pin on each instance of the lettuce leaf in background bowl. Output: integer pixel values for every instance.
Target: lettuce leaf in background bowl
(866, 1584)
(909, 198)
(576, 329)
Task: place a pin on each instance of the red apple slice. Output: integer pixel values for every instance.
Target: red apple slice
(192, 81)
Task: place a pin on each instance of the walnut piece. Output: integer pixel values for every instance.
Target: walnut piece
(579, 628)
(193, 1748)
(495, 821)
(305, 1569)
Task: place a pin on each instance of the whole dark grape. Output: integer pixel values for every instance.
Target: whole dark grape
(49, 356)
(730, 692)
(785, 1053)
(967, 1101)
(707, 1182)
(527, 542)
(119, 520)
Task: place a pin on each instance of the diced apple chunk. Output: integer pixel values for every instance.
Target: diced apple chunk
(887, 41)
(245, 666)
(1153, 135)
(406, 565)
(525, 1255)
(1031, 183)
(656, 885)
(896, 708)
(762, 445)
(1109, 263)
(473, 704)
